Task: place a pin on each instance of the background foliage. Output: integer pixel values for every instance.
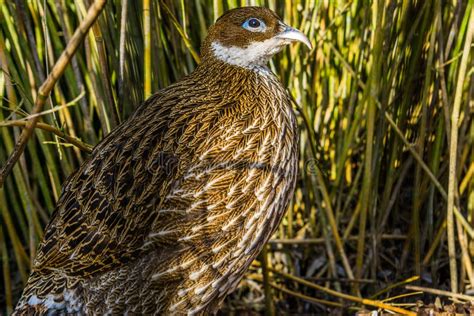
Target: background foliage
(385, 103)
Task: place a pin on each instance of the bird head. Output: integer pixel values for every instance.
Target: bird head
(248, 37)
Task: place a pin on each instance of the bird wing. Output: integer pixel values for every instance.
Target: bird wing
(107, 207)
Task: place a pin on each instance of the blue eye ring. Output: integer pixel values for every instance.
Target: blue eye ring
(254, 25)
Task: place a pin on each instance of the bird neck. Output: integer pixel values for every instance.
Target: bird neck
(247, 90)
(215, 69)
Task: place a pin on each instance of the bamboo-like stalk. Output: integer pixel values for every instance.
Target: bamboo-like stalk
(467, 178)
(147, 48)
(105, 75)
(31, 39)
(417, 196)
(372, 90)
(121, 78)
(269, 307)
(466, 258)
(453, 153)
(6, 272)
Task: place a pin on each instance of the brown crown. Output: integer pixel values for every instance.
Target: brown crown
(228, 30)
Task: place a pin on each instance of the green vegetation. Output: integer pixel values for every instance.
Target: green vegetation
(385, 103)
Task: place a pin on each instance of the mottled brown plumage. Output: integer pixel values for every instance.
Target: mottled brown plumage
(173, 205)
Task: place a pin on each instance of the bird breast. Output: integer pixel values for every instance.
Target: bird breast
(218, 155)
(232, 195)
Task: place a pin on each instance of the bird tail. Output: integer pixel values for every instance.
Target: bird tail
(46, 294)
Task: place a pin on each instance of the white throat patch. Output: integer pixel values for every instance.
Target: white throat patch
(254, 56)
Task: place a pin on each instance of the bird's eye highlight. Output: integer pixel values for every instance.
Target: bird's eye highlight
(254, 25)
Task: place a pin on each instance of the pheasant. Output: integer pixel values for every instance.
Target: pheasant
(174, 204)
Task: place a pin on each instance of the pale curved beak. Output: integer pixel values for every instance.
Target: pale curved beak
(293, 35)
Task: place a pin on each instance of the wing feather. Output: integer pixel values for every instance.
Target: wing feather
(108, 205)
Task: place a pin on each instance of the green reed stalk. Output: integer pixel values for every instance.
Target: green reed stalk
(453, 152)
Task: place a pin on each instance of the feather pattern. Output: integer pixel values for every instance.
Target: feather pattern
(173, 205)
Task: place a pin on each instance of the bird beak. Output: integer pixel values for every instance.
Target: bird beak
(293, 35)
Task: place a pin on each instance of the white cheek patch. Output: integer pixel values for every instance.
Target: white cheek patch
(256, 55)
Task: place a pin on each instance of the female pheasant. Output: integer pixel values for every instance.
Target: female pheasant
(173, 205)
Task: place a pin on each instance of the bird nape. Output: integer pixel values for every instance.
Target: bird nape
(174, 204)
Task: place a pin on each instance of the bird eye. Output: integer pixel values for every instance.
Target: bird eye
(254, 25)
